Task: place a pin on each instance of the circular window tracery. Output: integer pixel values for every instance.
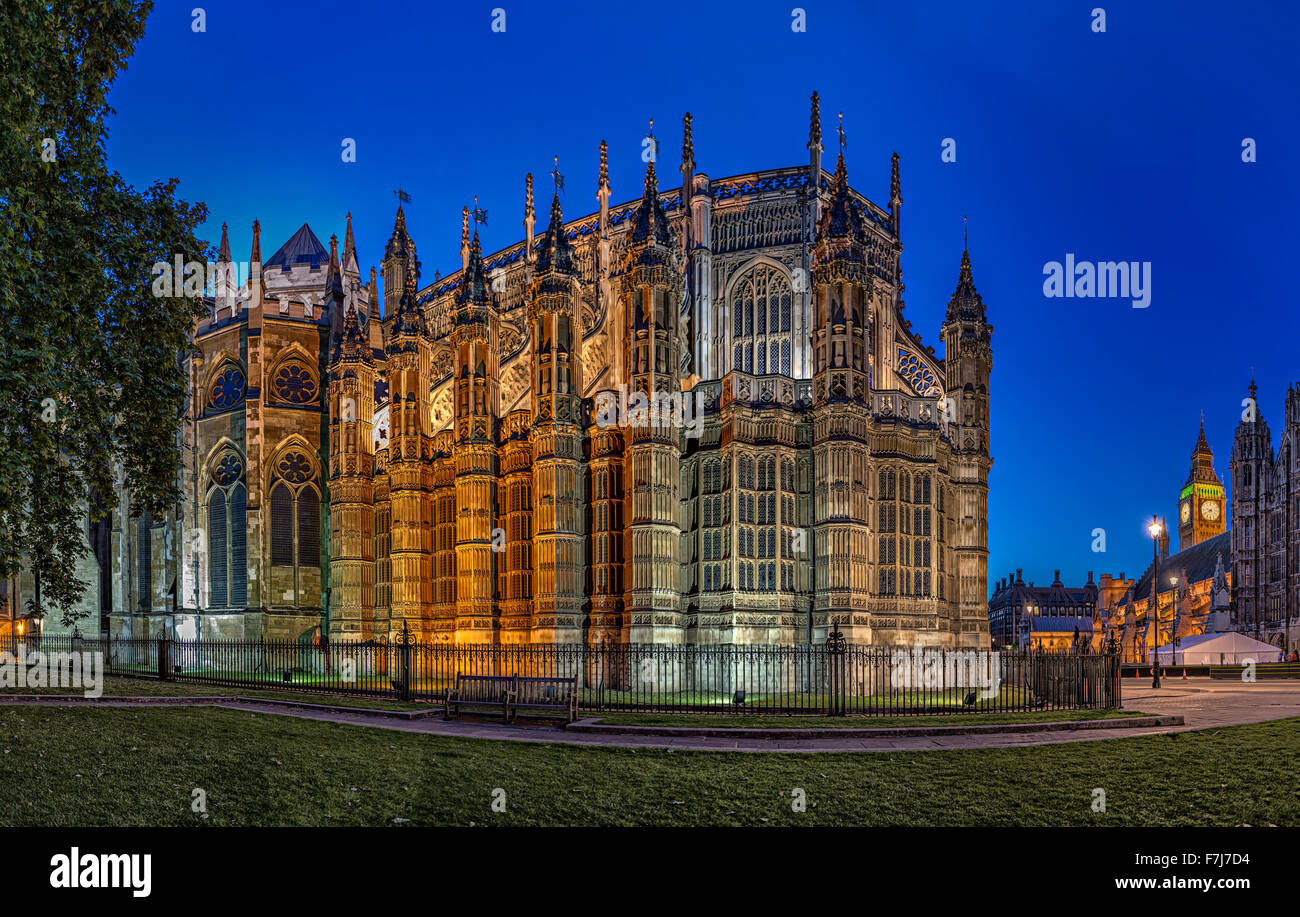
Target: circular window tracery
(228, 470)
(294, 384)
(295, 468)
(227, 389)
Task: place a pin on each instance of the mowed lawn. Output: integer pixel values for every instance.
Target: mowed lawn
(75, 766)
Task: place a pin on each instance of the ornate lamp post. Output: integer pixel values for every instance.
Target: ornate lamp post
(1173, 581)
(1155, 529)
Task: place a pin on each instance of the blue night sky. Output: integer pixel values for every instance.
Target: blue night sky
(1117, 146)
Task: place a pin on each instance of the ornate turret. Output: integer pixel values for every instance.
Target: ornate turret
(558, 475)
(968, 364)
(475, 398)
(842, 293)
(351, 399)
(651, 288)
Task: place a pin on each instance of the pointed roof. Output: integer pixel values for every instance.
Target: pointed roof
(650, 222)
(474, 284)
(409, 317)
(352, 343)
(841, 219)
(350, 263)
(223, 253)
(400, 243)
(1193, 565)
(1202, 447)
(554, 252)
(302, 248)
(334, 278)
(966, 303)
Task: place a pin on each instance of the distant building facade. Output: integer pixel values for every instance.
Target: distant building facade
(1053, 617)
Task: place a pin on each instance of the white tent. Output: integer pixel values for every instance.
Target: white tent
(1218, 649)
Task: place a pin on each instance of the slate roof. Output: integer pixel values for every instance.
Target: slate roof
(1199, 561)
(302, 248)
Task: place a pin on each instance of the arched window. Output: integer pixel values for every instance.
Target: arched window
(281, 525)
(308, 528)
(761, 302)
(144, 562)
(227, 535)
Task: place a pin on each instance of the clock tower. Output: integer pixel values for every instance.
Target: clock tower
(1200, 504)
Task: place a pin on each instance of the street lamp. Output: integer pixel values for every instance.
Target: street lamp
(1173, 581)
(1155, 529)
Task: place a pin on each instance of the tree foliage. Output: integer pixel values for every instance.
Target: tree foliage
(91, 362)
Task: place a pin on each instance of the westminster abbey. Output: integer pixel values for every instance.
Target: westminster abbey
(434, 460)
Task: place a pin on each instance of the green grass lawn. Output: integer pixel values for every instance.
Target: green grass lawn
(723, 721)
(115, 686)
(104, 766)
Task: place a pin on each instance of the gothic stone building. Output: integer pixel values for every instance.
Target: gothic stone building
(1266, 523)
(446, 459)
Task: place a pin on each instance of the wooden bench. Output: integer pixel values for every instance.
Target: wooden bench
(544, 696)
(492, 692)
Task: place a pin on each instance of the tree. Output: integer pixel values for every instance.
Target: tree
(91, 381)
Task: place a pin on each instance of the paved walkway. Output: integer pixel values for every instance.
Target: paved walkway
(1203, 704)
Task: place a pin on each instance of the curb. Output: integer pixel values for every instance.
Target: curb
(1126, 722)
(215, 700)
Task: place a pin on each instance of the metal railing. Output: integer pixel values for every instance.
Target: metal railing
(829, 679)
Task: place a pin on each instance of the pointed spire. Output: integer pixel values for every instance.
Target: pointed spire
(333, 276)
(650, 223)
(555, 252)
(223, 252)
(352, 343)
(815, 124)
(530, 218)
(841, 218)
(374, 292)
(256, 288)
(966, 303)
(464, 237)
(1202, 446)
(895, 186)
(409, 318)
(604, 165)
(688, 148)
(474, 287)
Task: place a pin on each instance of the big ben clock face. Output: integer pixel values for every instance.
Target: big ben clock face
(1210, 510)
(1186, 511)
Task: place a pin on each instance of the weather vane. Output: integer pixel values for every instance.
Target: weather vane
(843, 137)
(654, 144)
(555, 174)
(402, 196)
(480, 216)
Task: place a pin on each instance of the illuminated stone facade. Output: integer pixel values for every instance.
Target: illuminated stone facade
(473, 461)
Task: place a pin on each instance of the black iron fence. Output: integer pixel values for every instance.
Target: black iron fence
(828, 679)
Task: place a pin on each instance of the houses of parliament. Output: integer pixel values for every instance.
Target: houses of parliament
(432, 459)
